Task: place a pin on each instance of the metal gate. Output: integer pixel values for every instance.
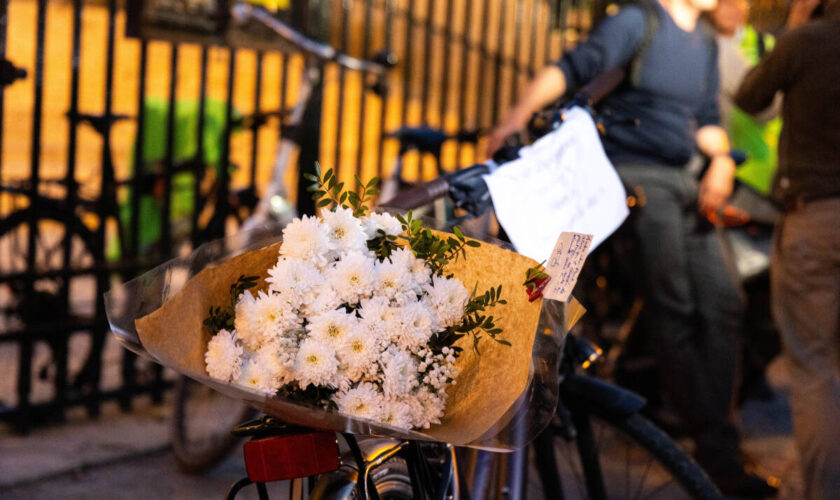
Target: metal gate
(118, 153)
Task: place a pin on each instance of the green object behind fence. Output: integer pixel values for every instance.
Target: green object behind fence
(760, 141)
(184, 149)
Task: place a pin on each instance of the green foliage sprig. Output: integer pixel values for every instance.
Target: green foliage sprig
(327, 191)
(435, 250)
(221, 318)
(383, 244)
(476, 323)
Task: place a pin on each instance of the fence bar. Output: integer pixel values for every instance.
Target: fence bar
(60, 343)
(199, 166)
(482, 67)
(92, 372)
(363, 91)
(445, 79)
(427, 65)
(4, 21)
(169, 159)
(388, 43)
(24, 382)
(466, 64)
(342, 77)
(256, 122)
(222, 203)
(407, 65)
(519, 14)
(536, 5)
(500, 60)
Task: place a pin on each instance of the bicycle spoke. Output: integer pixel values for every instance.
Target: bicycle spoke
(642, 480)
(659, 488)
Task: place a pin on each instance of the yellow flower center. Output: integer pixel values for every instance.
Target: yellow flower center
(358, 346)
(312, 359)
(333, 331)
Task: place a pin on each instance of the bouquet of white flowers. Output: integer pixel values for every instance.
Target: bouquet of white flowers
(356, 322)
(358, 315)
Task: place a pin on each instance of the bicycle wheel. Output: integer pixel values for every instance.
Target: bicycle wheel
(29, 289)
(200, 427)
(620, 457)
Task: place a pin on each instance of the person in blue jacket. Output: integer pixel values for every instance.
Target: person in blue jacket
(663, 113)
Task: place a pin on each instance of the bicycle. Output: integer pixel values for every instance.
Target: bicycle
(199, 441)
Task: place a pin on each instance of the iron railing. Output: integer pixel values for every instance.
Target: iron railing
(118, 153)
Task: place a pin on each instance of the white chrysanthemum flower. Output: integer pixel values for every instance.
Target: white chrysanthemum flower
(397, 413)
(426, 407)
(324, 299)
(448, 297)
(393, 280)
(384, 221)
(420, 272)
(316, 364)
(353, 277)
(399, 372)
(345, 231)
(374, 313)
(418, 325)
(258, 376)
(263, 318)
(294, 279)
(278, 358)
(224, 356)
(362, 401)
(332, 327)
(307, 239)
(358, 354)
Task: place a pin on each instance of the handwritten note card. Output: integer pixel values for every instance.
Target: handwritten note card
(565, 264)
(563, 182)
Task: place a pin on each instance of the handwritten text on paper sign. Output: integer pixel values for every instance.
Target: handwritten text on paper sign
(565, 263)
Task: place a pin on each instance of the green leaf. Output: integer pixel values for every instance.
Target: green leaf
(473, 243)
(324, 203)
(328, 175)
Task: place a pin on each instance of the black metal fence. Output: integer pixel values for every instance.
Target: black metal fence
(117, 153)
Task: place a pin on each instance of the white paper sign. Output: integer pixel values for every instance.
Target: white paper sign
(562, 183)
(565, 264)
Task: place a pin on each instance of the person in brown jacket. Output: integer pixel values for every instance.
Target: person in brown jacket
(805, 274)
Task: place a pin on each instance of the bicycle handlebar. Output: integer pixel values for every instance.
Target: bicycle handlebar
(243, 12)
(425, 193)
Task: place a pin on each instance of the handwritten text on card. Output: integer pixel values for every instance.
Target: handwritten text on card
(565, 264)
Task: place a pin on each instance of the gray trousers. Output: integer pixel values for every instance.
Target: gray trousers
(693, 308)
(805, 276)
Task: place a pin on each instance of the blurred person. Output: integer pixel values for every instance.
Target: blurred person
(805, 271)
(655, 121)
(740, 47)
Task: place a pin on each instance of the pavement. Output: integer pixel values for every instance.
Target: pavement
(127, 456)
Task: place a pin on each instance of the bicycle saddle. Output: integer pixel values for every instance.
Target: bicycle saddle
(427, 139)
(101, 123)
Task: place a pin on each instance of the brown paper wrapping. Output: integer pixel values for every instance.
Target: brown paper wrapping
(486, 385)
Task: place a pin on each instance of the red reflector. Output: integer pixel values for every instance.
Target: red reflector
(289, 456)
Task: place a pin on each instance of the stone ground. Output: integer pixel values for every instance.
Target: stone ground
(126, 456)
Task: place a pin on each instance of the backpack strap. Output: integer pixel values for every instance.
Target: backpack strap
(651, 15)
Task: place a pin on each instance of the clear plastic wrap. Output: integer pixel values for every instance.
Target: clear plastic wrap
(521, 419)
